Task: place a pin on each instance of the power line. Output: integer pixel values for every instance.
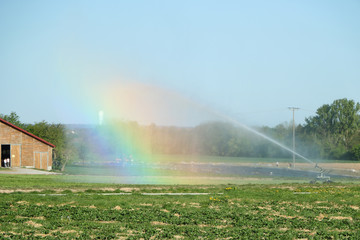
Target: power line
(293, 109)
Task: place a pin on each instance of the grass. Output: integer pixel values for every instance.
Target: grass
(75, 181)
(4, 169)
(250, 211)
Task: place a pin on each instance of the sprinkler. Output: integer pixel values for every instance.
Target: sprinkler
(322, 177)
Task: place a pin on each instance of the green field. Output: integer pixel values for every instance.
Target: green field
(59, 207)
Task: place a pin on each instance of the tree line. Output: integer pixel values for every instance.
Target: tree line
(333, 133)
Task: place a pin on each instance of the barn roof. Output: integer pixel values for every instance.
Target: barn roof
(26, 132)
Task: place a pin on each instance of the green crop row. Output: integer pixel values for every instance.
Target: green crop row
(324, 211)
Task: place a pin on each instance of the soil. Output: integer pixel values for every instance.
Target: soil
(32, 171)
(351, 170)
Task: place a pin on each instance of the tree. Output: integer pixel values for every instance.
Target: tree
(14, 119)
(335, 126)
(356, 152)
(216, 138)
(55, 134)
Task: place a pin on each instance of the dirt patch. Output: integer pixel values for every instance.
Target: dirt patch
(117, 208)
(266, 207)
(122, 238)
(34, 224)
(128, 189)
(320, 217)
(64, 204)
(37, 190)
(203, 225)
(350, 166)
(145, 204)
(178, 237)
(108, 189)
(69, 231)
(196, 205)
(342, 168)
(285, 216)
(20, 190)
(217, 208)
(354, 207)
(41, 234)
(29, 171)
(341, 218)
(223, 226)
(159, 223)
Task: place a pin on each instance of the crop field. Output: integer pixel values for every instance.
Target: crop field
(39, 207)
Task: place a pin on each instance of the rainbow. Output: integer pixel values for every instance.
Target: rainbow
(117, 141)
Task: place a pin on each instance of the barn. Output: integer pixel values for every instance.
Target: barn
(23, 149)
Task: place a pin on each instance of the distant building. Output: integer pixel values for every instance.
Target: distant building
(23, 148)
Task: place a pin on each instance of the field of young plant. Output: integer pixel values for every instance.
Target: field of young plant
(47, 207)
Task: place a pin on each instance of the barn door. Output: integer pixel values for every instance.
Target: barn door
(5, 153)
(41, 160)
(15, 155)
(37, 159)
(44, 160)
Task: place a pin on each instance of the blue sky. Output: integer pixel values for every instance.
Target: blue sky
(250, 60)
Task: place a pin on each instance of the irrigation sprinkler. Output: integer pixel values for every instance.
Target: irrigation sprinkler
(321, 177)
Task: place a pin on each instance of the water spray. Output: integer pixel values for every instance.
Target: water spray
(101, 117)
(321, 177)
(237, 123)
(152, 96)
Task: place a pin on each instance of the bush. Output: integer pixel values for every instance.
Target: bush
(355, 151)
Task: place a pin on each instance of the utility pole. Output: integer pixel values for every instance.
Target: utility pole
(293, 109)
